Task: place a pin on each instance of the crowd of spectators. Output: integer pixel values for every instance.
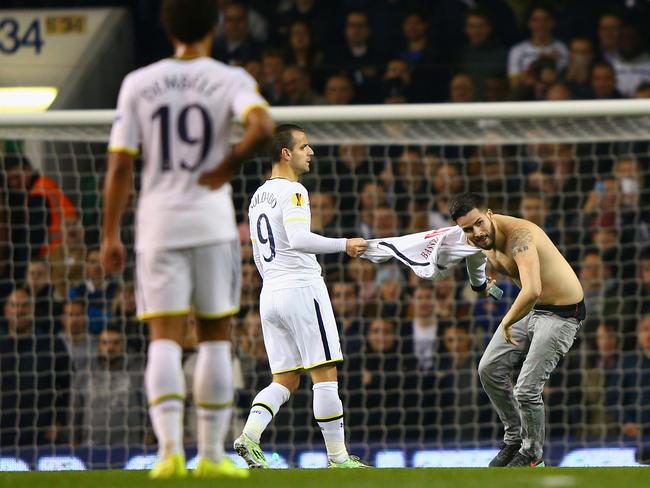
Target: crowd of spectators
(72, 348)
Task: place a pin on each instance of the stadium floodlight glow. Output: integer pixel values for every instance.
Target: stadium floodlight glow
(23, 99)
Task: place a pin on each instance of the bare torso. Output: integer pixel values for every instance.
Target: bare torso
(560, 285)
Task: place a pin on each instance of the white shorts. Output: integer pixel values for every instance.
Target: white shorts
(299, 327)
(171, 281)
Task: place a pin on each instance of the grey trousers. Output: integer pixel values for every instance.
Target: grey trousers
(543, 338)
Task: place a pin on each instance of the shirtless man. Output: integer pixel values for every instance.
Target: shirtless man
(540, 326)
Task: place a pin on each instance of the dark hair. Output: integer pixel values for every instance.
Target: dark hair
(479, 12)
(115, 326)
(11, 161)
(188, 21)
(464, 203)
(603, 64)
(283, 138)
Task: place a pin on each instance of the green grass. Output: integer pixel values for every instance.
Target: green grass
(367, 478)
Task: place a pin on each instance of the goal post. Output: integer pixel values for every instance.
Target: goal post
(579, 169)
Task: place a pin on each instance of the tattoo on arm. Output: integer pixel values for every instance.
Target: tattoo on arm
(520, 241)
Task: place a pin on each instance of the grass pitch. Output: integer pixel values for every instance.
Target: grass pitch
(366, 478)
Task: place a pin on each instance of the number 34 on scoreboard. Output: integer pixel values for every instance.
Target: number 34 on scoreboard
(17, 33)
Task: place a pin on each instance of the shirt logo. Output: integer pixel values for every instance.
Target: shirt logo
(297, 199)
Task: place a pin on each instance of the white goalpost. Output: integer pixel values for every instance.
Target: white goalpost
(579, 169)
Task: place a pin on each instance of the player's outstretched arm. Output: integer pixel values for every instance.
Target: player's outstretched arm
(258, 133)
(117, 188)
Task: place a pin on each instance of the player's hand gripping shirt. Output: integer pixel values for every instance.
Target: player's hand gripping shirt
(181, 112)
(283, 244)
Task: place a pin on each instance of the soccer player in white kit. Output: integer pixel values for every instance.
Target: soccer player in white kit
(298, 323)
(187, 250)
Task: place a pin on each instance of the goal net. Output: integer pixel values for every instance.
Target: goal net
(72, 352)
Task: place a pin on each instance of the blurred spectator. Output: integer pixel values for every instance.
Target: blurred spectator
(124, 314)
(609, 33)
(636, 394)
(534, 207)
(482, 56)
(461, 89)
(409, 178)
(602, 384)
(111, 395)
(429, 71)
(463, 404)
(272, 72)
(236, 46)
(632, 66)
(445, 304)
(324, 221)
(67, 260)
(47, 307)
(425, 327)
(254, 68)
(258, 25)
(599, 288)
(98, 291)
(389, 291)
(397, 83)
(318, 15)
(578, 73)
(541, 23)
(346, 305)
(558, 92)
(252, 355)
(39, 194)
(35, 378)
(338, 90)
(81, 346)
(296, 88)
(346, 175)
(495, 89)
(445, 181)
(539, 76)
(33, 209)
(251, 285)
(302, 51)
(357, 57)
(643, 90)
(363, 273)
(603, 81)
(380, 382)
(373, 196)
(385, 223)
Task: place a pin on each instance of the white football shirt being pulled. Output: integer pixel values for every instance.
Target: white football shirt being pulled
(181, 112)
(278, 208)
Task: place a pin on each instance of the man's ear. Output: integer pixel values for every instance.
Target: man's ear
(286, 153)
(489, 212)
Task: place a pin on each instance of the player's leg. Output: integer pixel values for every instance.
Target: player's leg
(286, 364)
(494, 369)
(321, 351)
(266, 405)
(216, 299)
(163, 291)
(552, 338)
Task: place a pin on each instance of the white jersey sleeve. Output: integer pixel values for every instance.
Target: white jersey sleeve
(247, 96)
(125, 133)
(296, 216)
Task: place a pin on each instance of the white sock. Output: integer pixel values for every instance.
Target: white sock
(165, 385)
(328, 411)
(213, 395)
(265, 405)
